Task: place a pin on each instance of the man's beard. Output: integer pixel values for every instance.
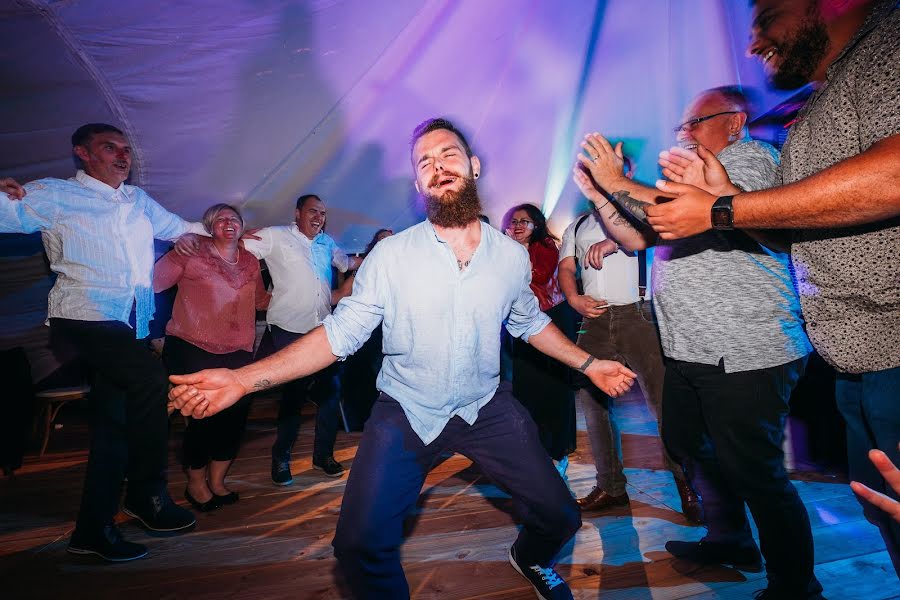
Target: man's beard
(802, 53)
(454, 209)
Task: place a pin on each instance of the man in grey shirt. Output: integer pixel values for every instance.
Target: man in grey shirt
(734, 348)
(840, 191)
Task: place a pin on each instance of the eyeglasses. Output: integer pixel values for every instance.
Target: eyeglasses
(522, 222)
(692, 123)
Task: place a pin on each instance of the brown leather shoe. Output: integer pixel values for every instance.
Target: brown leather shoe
(691, 506)
(597, 499)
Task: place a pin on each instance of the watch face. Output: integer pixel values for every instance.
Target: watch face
(721, 217)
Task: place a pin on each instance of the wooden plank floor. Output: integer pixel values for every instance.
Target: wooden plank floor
(275, 543)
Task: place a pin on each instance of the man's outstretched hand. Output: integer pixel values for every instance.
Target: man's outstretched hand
(205, 393)
(611, 377)
(11, 188)
(891, 477)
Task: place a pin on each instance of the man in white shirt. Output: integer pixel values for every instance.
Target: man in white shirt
(98, 234)
(618, 325)
(300, 257)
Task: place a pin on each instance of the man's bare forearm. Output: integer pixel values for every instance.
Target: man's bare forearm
(862, 189)
(310, 354)
(552, 342)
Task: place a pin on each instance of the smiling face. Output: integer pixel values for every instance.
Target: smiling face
(715, 133)
(521, 227)
(227, 226)
(791, 40)
(441, 164)
(310, 217)
(106, 157)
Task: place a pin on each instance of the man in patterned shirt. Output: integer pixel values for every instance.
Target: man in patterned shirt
(840, 191)
(734, 348)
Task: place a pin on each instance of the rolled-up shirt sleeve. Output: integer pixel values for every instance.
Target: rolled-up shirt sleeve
(525, 316)
(357, 315)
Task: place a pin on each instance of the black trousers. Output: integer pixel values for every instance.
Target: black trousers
(217, 437)
(727, 430)
(129, 424)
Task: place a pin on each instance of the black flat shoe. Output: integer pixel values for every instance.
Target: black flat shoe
(229, 498)
(209, 505)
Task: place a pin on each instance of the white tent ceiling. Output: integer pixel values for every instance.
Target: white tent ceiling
(255, 102)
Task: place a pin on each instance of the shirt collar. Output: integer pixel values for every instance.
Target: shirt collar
(302, 236)
(98, 186)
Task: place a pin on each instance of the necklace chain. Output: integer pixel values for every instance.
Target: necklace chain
(236, 260)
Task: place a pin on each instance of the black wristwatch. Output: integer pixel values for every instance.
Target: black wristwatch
(722, 214)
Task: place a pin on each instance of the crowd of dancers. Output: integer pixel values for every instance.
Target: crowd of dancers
(759, 258)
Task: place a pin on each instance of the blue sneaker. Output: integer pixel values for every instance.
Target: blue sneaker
(547, 584)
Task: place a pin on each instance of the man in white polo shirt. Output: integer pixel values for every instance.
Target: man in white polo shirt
(300, 257)
(617, 325)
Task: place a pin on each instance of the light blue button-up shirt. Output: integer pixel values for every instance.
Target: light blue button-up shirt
(441, 325)
(99, 241)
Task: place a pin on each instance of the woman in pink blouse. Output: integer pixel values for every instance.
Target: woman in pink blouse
(542, 384)
(213, 325)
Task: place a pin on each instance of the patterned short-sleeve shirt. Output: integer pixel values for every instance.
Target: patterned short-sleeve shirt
(849, 278)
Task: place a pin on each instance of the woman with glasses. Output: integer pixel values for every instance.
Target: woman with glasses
(213, 325)
(542, 384)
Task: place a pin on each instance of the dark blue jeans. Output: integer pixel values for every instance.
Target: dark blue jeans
(323, 388)
(727, 430)
(389, 471)
(870, 403)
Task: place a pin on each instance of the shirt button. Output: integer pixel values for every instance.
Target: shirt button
(803, 280)
(813, 324)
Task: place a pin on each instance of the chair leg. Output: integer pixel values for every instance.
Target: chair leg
(48, 420)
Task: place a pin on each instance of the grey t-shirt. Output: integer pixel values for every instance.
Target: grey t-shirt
(849, 278)
(721, 295)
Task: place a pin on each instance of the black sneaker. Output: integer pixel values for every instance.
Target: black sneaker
(331, 467)
(108, 545)
(281, 472)
(159, 513)
(741, 557)
(547, 584)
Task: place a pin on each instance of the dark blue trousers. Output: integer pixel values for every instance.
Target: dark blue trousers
(389, 471)
(870, 403)
(323, 388)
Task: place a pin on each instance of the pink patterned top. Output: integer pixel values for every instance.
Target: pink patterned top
(215, 308)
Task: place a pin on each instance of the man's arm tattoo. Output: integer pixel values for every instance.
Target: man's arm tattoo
(262, 384)
(635, 207)
(617, 219)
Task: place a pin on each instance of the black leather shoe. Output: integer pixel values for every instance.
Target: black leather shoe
(209, 505)
(331, 467)
(225, 500)
(741, 557)
(597, 499)
(160, 514)
(691, 506)
(107, 544)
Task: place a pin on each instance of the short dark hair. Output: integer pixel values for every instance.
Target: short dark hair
(540, 231)
(302, 199)
(430, 125)
(733, 94)
(83, 134)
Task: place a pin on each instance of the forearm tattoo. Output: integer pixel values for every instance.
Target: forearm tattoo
(262, 384)
(617, 219)
(635, 207)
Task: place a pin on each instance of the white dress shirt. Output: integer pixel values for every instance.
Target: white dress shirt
(301, 275)
(617, 282)
(100, 244)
